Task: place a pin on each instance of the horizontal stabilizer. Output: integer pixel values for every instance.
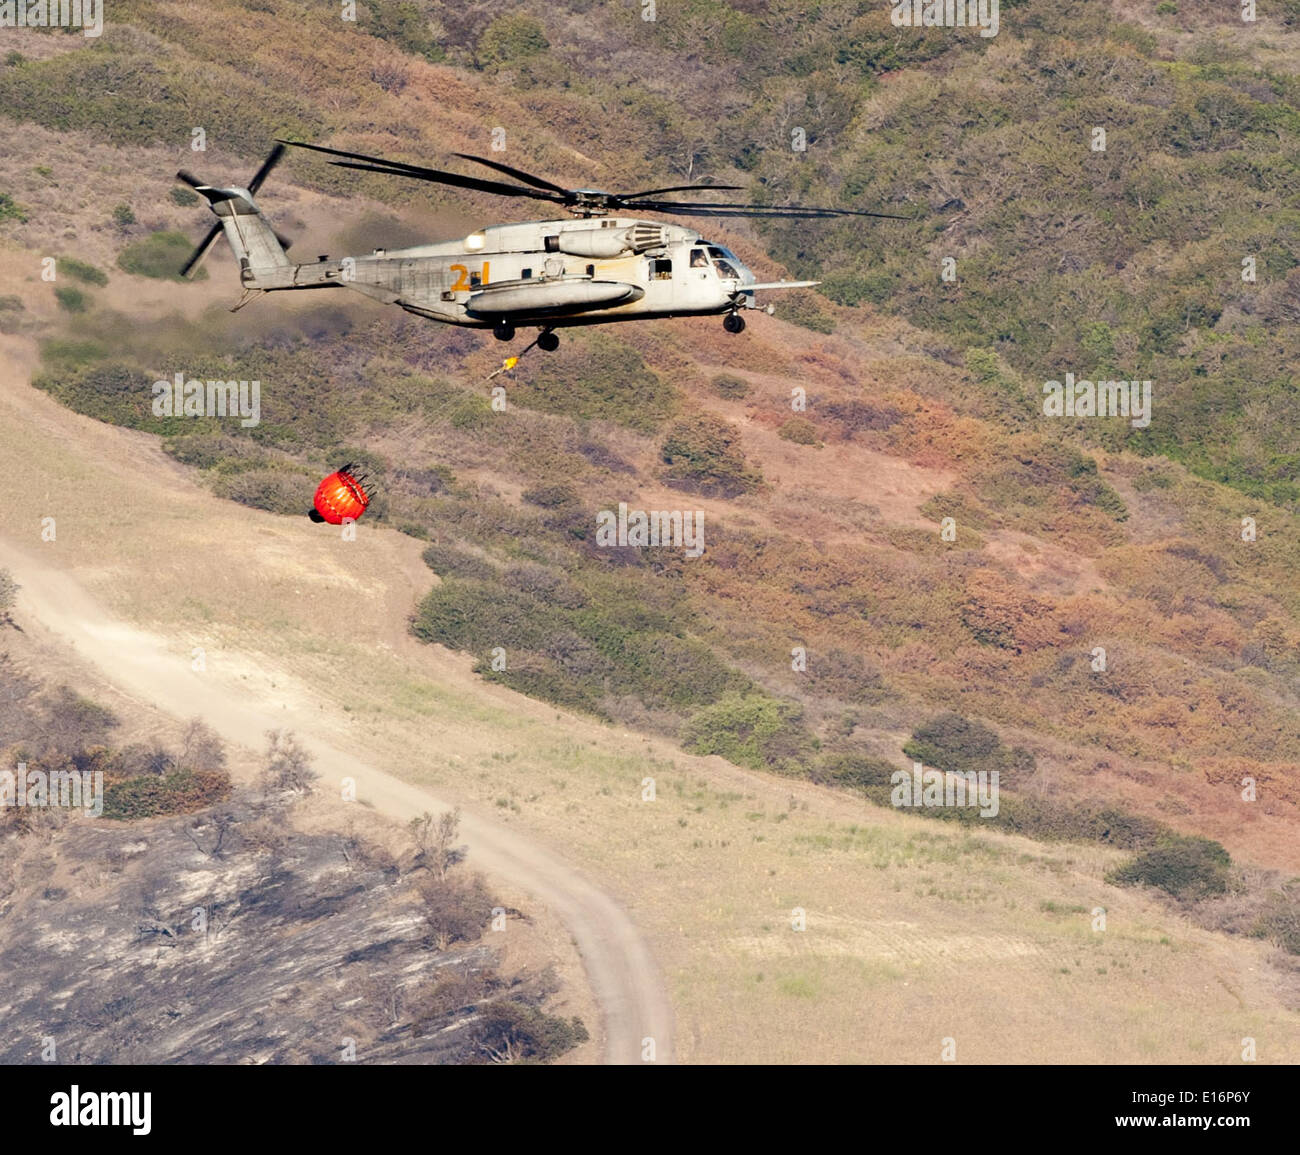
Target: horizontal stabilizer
(779, 285)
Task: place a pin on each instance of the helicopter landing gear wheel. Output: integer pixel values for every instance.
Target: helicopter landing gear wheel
(504, 331)
(734, 323)
(548, 341)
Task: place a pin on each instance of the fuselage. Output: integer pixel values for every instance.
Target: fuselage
(575, 271)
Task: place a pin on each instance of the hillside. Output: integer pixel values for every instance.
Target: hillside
(1099, 628)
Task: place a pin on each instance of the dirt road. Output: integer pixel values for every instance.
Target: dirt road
(619, 967)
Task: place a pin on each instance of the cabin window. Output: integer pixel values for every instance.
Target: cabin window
(526, 274)
(591, 270)
(661, 269)
(475, 280)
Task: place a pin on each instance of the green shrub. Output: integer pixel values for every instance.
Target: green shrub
(855, 771)
(799, 430)
(750, 730)
(803, 307)
(160, 255)
(79, 270)
(951, 742)
(1186, 866)
(404, 23)
(70, 298)
(267, 489)
(597, 376)
(509, 1029)
(181, 792)
(510, 36)
(703, 455)
(731, 387)
(10, 210)
(123, 216)
(448, 561)
(184, 197)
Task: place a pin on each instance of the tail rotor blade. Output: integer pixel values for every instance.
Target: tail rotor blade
(202, 250)
(267, 165)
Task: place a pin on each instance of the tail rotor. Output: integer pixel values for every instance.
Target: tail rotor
(214, 196)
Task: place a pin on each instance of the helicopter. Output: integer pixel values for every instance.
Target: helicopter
(598, 265)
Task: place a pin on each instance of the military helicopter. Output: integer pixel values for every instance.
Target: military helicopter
(598, 266)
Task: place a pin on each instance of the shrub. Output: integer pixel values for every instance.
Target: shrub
(597, 376)
(703, 456)
(510, 36)
(266, 489)
(448, 561)
(405, 24)
(70, 298)
(802, 307)
(799, 430)
(750, 730)
(951, 742)
(855, 771)
(553, 496)
(183, 196)
(1279, 921)
(160, 255)
(81, 271)
(10, 210)
(182, 792)
(511, 1031)
(1186, 866)
(731, 387)
(123, 216)
(455, 909)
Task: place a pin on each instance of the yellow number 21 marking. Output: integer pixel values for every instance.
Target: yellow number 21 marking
(462, 283)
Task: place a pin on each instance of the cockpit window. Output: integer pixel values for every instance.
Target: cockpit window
(698, 260)
(726, 270)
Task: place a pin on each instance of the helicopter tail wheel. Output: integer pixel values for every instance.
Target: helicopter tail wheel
(504, 331)
(548, 341)
(734, 323)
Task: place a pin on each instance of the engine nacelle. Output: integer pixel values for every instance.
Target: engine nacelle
(607, 242)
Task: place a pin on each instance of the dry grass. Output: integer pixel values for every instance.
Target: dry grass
(914, 932)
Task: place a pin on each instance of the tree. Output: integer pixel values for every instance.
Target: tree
(455, 910)
(436, 841)
(201, 749)
(288, 765)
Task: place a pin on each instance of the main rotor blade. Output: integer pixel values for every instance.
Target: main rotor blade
(518, 174)
(267, 165)
(189, 178)
(204, 245)
(451, 178)
(722, 209)
(436, 176)
(677, 188)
